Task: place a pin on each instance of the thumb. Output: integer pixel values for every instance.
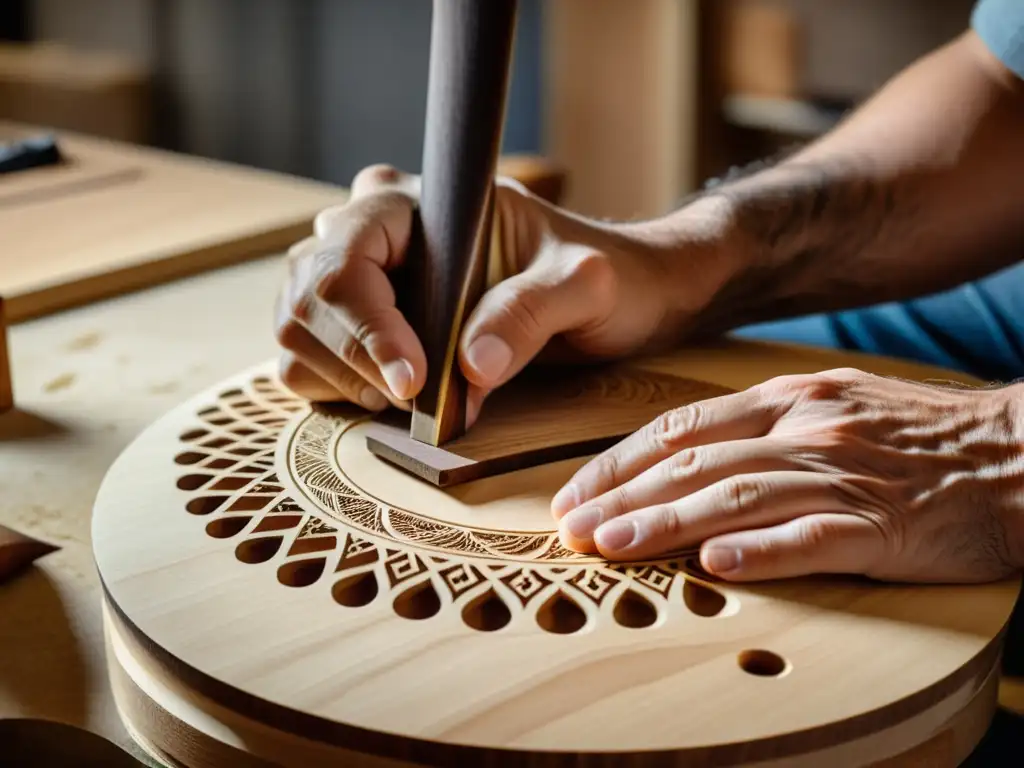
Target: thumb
(568, 289)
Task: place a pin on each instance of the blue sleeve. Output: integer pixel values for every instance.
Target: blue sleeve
(1000, 25)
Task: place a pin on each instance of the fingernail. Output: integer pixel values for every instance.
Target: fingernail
(490, 356)
(615, 535)
(371, 398)
(398, 375)
(721, 559)
(566, 499)
(582, 523)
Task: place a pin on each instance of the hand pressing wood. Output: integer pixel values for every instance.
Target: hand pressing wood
(541, 416)
(18, 551)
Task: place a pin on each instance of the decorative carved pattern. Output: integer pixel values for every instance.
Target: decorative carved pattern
(366, 551)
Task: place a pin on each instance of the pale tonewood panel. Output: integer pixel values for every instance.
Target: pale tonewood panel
(117, 217)
(402, 621)
(621, 102)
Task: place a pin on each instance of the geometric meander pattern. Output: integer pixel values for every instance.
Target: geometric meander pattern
(366, 552)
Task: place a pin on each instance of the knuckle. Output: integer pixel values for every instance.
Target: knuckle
(813, 387)
(683, 465)
(673, 427)
(290, 373)
(669, 523)
(519, 305)
(813, 532)
(351, 345)
(376, 176)
(606, 471)
(290, 334)
(328, 273)
(845, 374)
(595, 272)
(740, 494)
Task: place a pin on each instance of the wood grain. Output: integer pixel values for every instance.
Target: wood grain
(470, 58)
(6, 384)
(541, 416)
(193, 334)
(116, 218)
(180, 725)
(296, 596)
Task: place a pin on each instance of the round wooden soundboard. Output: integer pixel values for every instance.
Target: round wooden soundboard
(277, 595)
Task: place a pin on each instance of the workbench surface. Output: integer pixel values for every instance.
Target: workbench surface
(86, 383)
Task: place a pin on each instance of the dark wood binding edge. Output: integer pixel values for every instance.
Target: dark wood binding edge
(432, 753)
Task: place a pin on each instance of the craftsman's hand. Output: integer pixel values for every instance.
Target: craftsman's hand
(571, 288)
(838, 472)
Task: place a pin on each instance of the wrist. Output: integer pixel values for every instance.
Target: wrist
(700, 249)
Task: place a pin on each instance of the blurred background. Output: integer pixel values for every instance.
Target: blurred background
(639, 100)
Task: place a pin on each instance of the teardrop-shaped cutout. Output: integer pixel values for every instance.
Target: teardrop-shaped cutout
(487, 612)
(231, 483)
(249, 503)
(260, 550)
(560, 615)
(634, 611)
(356, 591)
(204, 505)
(277, 523)
(193, 482)
(301, 573)
(418, 602)
(226, 527)
(193, 434)
(190, 457)
(702, 599)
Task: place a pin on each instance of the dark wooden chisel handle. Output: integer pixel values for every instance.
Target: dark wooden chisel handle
(470, 58)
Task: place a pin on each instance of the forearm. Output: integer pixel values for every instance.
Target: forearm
(919, 190)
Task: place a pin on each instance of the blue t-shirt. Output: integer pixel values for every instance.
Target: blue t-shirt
(1000, 25)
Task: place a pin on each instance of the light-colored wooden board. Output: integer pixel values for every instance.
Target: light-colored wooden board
(120, 217)
(161, 346)
(280, 570)
(173, 719)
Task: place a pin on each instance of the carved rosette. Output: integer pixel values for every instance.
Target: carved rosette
(319, 529)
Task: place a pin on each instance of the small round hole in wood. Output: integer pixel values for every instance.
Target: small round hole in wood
(418, 602)
(634, 611)
(762, 663)
(356, 591)
(487, 613)
(702, 600)
(301, 573)
(561, 616)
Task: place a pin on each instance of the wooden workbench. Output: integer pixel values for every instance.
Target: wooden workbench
(87, 382)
